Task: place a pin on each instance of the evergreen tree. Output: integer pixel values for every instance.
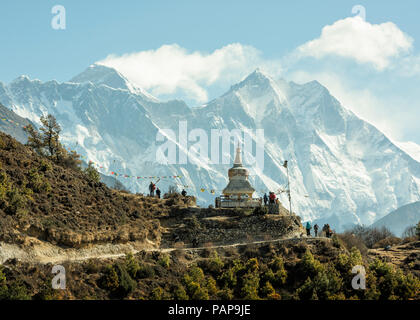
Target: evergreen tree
(92, 174)
(46, 142)
(34, 140)
(50, 137)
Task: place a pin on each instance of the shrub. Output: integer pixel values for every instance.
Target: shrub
(250, 286)
(70, 160)
(370, 236)
(4, 187)
(390, 241)
(277, 274)
(194, 289)
(92, 174)
(268, 292)
(165, 261)
(214, 264)
(12, 199)
(17, 291)
(194, 281)
(199, 293)
(327, 284)
(126, 283)
(346, 262)
(37, 182)
(196, 274)
(228, 278)
(393, 284)
(145, 271)
(407, 286)
(46, 292)
(131, 265)
(252, 265)
(180, 293)
(211, 286)
(158, 293)
(3, 286)
(110, 280)
(306, 291)
(16, 202)
(309, 266)
(117, 280)
(350, 240)
(225, 294)
(45, 166)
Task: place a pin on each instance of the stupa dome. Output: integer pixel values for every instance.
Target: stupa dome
(238, 179)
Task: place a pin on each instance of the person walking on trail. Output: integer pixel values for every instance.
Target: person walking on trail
(325, 230)
(329, 231)
(152, 188)
(265, 199)
(308, 228)
(316, 230)
(272, 197)
(158, 192)
(184, 193)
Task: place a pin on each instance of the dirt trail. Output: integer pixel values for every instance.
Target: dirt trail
(44, 252)
(396, 254)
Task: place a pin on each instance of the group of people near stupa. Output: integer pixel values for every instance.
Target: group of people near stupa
(270, 199)
(154, 189)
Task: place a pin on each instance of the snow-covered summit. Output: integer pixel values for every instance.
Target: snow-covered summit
(102, 75)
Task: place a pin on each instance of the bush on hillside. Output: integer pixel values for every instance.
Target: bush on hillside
(92, 174)
(371, 236)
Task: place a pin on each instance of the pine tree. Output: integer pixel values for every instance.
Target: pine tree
(34, 139)
(50, 137)
(92, 174)
(46, 142)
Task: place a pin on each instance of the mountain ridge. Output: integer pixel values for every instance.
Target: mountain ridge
(398, 220)
(340, 165)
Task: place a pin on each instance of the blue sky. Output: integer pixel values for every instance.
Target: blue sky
(380, 86)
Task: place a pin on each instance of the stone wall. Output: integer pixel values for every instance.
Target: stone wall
(201, 227)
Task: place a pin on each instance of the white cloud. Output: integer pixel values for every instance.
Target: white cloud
(354, 38)
(172, 69)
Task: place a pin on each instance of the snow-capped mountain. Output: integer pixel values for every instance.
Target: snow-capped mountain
(399, 220)
(342, 169)
(413, 149)
(12, 124)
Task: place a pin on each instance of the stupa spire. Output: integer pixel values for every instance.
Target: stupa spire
(238, 158)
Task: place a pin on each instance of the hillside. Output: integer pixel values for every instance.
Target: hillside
(60, 205)
(315, 269)
(397, 221)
